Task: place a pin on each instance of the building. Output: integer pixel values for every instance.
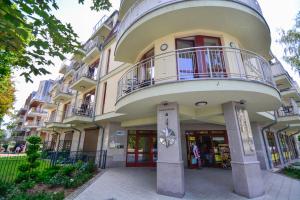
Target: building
(31, 117)
(161, 78)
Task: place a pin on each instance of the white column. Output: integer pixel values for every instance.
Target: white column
(246, 172)
(170, 170)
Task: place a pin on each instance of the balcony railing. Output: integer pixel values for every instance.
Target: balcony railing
(286, 111)
(92, 44)
(99, 23)
(37, 110)
(142, 7)
(34, 124)
(63, 89)
(55, 117)
(195, 64)
(88, 72)
(84, 109)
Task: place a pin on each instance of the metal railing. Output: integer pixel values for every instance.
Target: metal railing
(83, 108)
(92, 44)
(197, 63)
(86, 71)
(99, 23)
(141, 7)
(34, 123)
(10, 162)
(63, 89)
(37, 110)
(286, 111)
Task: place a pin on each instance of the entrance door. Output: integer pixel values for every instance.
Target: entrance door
(213, 147)
(141, 149)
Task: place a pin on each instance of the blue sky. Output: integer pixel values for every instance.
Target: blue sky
(278, 13)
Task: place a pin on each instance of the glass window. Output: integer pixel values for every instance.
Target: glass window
(131, 143)
(186, 59)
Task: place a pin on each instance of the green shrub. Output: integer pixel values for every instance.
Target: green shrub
(28, 170)
(68, 170)
(48, 173)
(37, 196)
(4, 189)
(292, 172)
(78, 180)
(25, 185)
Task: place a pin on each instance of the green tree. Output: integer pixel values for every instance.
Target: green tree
(28, 171)
(30, 35)
(6, 95)
(291, 41)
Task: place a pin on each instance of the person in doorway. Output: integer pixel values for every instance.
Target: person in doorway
(197, 155)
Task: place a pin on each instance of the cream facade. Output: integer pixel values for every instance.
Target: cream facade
(160, 80)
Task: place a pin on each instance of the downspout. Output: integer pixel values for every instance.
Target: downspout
(279, 143)
(264, 140)
(94, 112)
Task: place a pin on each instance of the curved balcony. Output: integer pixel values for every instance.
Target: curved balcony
(215, 74)
(235, 17)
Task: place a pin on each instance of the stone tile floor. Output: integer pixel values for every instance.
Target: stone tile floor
(205, 184)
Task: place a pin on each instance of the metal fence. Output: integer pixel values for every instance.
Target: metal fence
(9, 163)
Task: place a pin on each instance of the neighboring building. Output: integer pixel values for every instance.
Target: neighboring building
(31, 117)
(160, 78)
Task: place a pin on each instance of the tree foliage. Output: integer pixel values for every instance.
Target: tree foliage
(291, 41)
(30, 35)
(6, 95)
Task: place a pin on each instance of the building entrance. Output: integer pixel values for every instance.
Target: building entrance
(141, 148)
(212, 146)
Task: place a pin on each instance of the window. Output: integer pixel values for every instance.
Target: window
(145, 70)
(66, 110)
(107, 62)
(196, 62)
(103, 97)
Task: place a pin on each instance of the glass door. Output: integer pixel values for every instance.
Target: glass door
(197, 57)
(141, 149)
(186, 59)
(273, 149)
(211, 60)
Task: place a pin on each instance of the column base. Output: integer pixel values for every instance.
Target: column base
(170, 179)
(247, 179)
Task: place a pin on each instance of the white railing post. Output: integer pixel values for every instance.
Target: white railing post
(209, 63)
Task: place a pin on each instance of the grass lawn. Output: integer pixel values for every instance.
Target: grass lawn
(9, 167)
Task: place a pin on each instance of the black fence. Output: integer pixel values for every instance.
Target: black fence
(9, 163)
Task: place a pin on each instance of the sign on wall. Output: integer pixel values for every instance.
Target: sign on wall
(245, 131)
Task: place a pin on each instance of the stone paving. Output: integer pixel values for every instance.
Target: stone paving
(205, 184)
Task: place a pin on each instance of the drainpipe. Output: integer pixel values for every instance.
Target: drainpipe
(265, 143)
(279, 143)
(96, 97)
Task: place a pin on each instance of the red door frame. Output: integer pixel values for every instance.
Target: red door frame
(198, 42)
(151, 134)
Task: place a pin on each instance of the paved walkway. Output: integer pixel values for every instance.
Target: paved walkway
(205, 184)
